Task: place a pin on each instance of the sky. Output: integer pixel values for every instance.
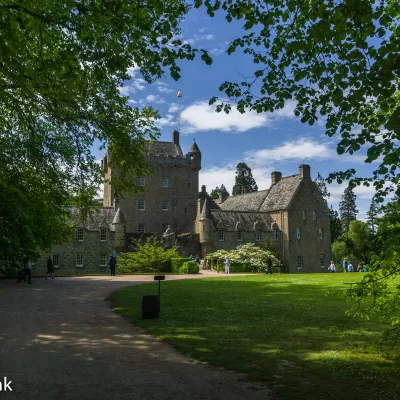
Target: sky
(266, 142)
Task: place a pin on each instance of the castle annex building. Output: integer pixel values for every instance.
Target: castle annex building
(292, 213)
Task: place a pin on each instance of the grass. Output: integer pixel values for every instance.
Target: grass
(281, 329)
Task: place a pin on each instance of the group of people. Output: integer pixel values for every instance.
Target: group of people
(348, 267)
(25, 270)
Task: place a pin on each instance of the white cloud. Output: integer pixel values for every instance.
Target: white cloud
(164, 89)
(202, 117)
(217, 51)
(209, 36)
(155, 99)
(173, 109)
(168, 120)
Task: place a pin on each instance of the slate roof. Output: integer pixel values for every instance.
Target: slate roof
(190, 227)
(227, 220)
(119, 217)
(194, 148)
(102, 217)
(165, 149)
(277, 197)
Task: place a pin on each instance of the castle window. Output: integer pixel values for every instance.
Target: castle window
(79, 234)
(322, 260)
(142, 181)
(239, 236)
(103, 234)
(185, 210)
(258, 236)
(164, 227)
(103, 260)
(165, 205)
(298, 233)
(320, 233)
(314, 215)
(142, 204)
(79, 260)
(165, 181)
(142, 228)
(55, 260)
(299, 263)
(304, 214)
(221, 235)
(275, 234)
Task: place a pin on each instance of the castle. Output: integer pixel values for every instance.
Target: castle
(292, 213)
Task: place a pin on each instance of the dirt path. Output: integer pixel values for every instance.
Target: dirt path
(60, 340)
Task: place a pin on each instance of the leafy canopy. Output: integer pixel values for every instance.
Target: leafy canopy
(218, 191)
(244, 181)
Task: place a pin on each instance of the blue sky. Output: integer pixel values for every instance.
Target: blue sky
(266, 142)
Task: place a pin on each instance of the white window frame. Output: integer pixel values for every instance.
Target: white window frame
(165, 182)
(56, 260)
(221, 235)
(299, 262)
(80, 234)
(103, 234)
(304, 214)
(103, 260)
(164, 205)
(142, 181)
(298, 233)
(314, 215)
(320, 233)
(239, 236)
(142, 205)
(141, 228)
(258, 236)
(79, 260)
(275, 234)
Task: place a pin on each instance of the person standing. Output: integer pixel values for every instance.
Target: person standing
(269, 265)
(332, 267)
(113, 262)
(227, 265)
(345, 265)
(350, 267)
(27, 270)
(50, 268)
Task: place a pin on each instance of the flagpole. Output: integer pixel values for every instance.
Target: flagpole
(179, 114)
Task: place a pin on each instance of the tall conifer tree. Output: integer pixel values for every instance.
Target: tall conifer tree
(244, 181)
(347, 208)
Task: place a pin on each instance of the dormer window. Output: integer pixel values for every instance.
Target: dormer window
(239, 236)
(79, 234)
(103, 234)
(221, 235)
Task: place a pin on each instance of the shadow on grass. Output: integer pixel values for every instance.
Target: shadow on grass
(276, 330)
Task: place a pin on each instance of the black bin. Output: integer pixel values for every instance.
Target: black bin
(150, 306)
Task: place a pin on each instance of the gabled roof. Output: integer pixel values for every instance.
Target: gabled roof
(165, 149)
(248, 221)
(277, 197)
(101, 216)
(119, 218)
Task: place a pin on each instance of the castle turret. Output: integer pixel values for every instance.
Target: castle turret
(119, 227)
(205, 224)
(194, 155)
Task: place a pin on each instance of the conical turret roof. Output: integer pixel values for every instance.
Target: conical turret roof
(194, 148)
(204, 212)
(119, 217)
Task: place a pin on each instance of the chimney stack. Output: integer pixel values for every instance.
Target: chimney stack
(275, 177)
(222, 198)
(305, 172)
(175, 137)
(203, 190)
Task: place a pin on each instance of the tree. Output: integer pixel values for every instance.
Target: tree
(215, 193)
(62, 66)
(361, 240)
(341, 250)
(335, 224)
(372, 215)
(321, 185)
(334, 60)
(244, 181)
(347, 208)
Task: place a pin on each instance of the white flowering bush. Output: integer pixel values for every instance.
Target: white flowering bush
(246, 257)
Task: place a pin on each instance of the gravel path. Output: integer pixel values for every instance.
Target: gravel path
(60, 340)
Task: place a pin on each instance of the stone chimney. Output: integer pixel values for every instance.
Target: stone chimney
(175, 137)
(275, 177)
(222, 198)
(203, 191)
(305, 172)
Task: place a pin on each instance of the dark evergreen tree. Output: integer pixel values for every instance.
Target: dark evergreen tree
(215, 193)
(372, 216)
(347, 208)
(244, 181)
(336, 224)
(321, 185)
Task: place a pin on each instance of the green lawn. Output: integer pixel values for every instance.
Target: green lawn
(276, 329)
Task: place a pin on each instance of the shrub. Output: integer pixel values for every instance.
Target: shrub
(176, 264)
(189, 267)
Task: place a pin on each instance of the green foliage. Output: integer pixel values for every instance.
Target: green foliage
(189, 267)
(335, 225)
(148, 256)
(176, 264)
(321, 185)
(62, 66)
(341, 250)
(347, 208)
(215, 193)
(336, 60)
(247, 256)
(373, 214)
(361, 239)
(244, 181)
(266, 243)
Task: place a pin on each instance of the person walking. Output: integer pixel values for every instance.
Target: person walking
(350, 267)
(345, 265)
(269, 266)
(50, 268)
(332, 267)
(112, 262)
(227, 265)
(27, 270)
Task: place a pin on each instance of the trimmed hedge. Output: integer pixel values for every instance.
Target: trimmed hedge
(235, 267)
(189, 267)
(176, 264)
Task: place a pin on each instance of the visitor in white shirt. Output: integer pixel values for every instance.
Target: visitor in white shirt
(332, 267)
